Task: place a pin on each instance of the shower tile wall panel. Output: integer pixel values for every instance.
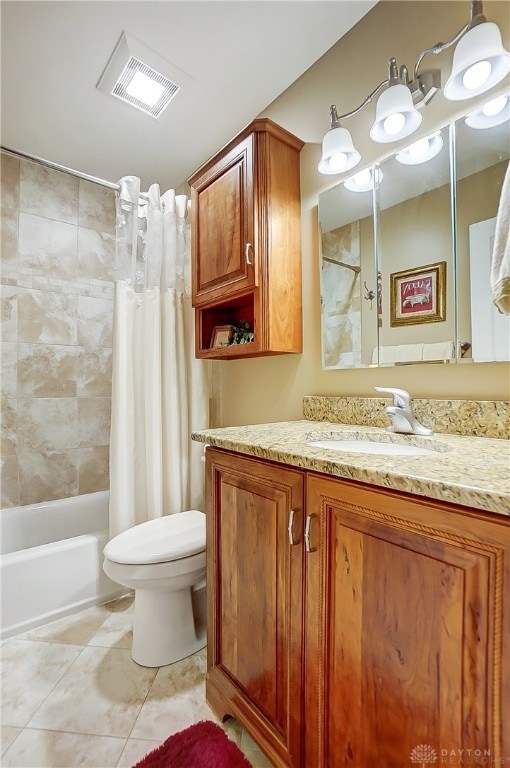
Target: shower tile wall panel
(58, 246)
(341, 300)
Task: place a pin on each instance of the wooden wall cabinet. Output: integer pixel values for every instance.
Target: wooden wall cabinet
(246, 242)
(348, 625)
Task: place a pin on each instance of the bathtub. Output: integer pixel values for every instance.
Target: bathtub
(51, 561)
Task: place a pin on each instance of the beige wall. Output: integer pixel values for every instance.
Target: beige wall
(407, 240)
(58, 245)
(271, 389)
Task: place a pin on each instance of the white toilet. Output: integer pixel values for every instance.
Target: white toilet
(162, 560)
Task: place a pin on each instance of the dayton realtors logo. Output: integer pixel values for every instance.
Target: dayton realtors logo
(423, 754)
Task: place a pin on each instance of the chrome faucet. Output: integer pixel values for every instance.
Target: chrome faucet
(401, 413)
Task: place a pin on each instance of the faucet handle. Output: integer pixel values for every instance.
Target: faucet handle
(401, 398)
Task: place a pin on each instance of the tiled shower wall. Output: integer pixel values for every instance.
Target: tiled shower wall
(341, 300)
(58, 239)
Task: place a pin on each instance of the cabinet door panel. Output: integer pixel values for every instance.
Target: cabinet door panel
(223, 223)
(248, 594)
(255, 599)
(410, 653)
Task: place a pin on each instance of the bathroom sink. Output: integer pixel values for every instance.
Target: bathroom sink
(381, 445)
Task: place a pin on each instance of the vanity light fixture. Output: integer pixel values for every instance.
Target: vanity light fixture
(422, 150)
(495, 112)
(364, 180)
(141, 77)
(338, 153)
(395, 116)
(479, 63)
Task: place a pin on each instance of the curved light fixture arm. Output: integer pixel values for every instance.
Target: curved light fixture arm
(358, 109)
(477, 17)
(440, 47)
(394, 76)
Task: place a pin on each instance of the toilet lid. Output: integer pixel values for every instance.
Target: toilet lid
(167, 538)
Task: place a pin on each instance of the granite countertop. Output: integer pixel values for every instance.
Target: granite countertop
(473, 471)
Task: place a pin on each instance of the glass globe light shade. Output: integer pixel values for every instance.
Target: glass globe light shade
(396, 116)
(338, 152)
(479, 63)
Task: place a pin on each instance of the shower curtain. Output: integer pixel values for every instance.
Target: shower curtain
(159, 390)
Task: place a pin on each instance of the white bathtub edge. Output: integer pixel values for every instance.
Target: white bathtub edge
(46, 618)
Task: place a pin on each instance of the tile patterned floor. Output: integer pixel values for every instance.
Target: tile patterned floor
(72, 696)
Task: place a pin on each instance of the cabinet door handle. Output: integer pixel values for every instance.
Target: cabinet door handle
(290, 528)
(308, 547)
(247, 254)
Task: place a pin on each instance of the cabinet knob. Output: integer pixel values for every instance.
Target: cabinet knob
(247, 254)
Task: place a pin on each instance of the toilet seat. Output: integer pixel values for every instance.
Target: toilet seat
(165, 539)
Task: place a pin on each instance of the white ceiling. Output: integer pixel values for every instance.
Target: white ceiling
(240, 55)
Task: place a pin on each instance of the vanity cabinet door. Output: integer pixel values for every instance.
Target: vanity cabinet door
(254, 589)
(407, 629)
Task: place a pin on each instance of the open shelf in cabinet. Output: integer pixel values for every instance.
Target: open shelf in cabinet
(231, 312)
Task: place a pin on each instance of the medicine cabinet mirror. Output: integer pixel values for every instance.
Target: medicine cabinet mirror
(405, 255)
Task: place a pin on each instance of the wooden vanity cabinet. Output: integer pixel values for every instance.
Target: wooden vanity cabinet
(407, 628)
(382, 629)
(254, 599)
(246, 242)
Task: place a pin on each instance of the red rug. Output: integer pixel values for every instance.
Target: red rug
(203, 745)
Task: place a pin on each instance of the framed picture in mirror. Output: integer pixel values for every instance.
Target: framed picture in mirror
(418, 295)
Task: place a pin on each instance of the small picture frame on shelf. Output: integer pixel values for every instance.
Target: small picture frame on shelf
(221, 336)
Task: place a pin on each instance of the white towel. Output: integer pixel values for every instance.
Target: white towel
(500, 269)
(400, 353)
(441, 350)
(408, 353)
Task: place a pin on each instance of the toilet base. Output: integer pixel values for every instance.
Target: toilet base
(158, 638)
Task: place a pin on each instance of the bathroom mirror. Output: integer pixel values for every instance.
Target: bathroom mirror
(415, 256)
(405, 262)
(347, 257)
(481, 160)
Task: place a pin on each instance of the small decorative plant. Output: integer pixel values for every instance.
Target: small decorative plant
(241, 333)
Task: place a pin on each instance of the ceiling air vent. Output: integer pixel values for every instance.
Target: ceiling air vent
(144, 88)
(141, 77)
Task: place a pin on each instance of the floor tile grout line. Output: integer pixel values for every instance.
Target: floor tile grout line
(4, 753)
(82, 733)
(151, 749)
(81, 646)
(33, 714)
(144, 701)
(66, 733)
(74, 733)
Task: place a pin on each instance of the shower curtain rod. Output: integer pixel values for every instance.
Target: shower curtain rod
(342, 264)
(64, 169)
(58, 167)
